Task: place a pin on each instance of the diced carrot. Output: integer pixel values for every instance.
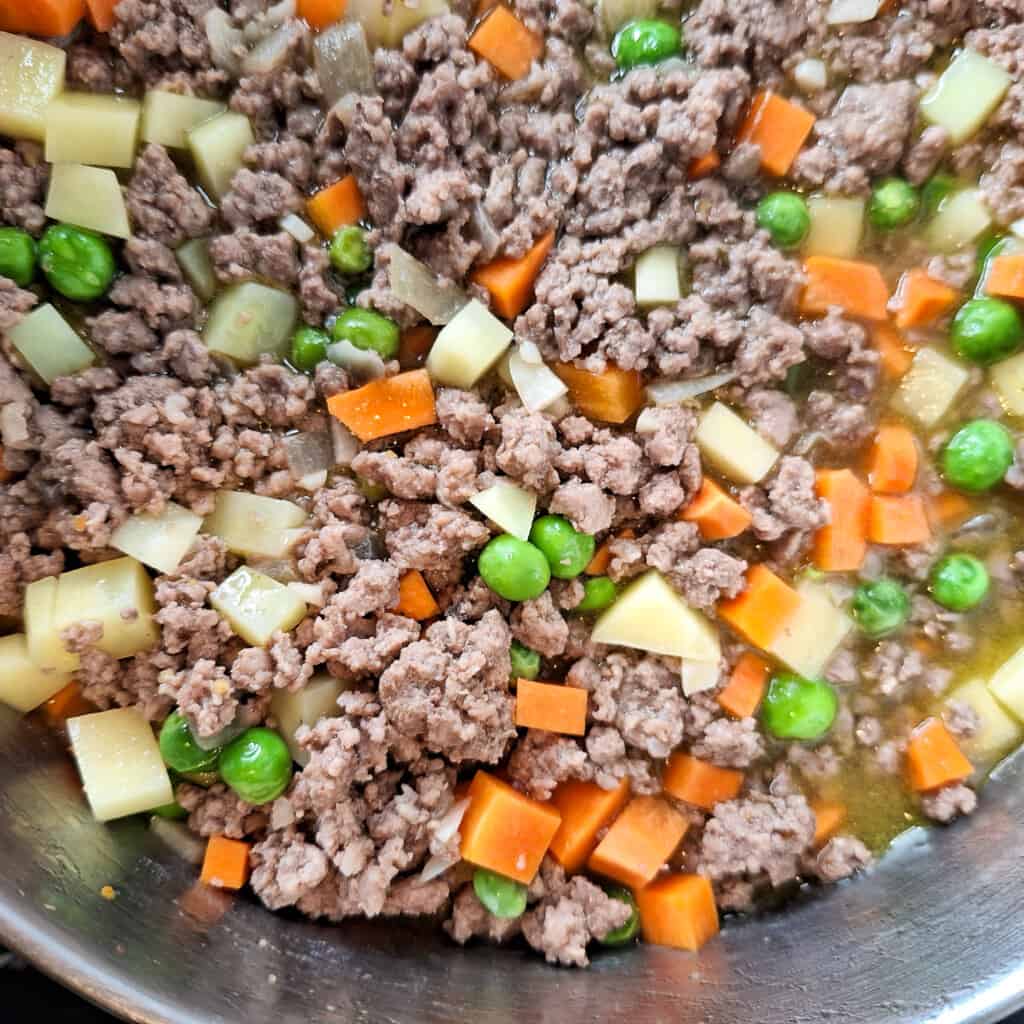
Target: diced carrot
(319, 14)
(67, 703)
(702, 166)
(1006, 276)
(226, 864)
(553, 707)
(933, 757)
(779, 127)
(717, 514)
(101, 14)
(898, 519)
(921, 300)
(611, 396)
(414, 346)
(415, 601)
(337, 206)
(678, 911)
(745, 689)
(828, 819)
(761, 611)
(598, 565)
(947, 509)
(586, 808)
(841, 544)
(855, 287)
(639, 842)
(892, 464)
(386, 406)
(510, 281)
(41, 17)
(503, 40)
(894, 355)
(699, 782)
(504, 831)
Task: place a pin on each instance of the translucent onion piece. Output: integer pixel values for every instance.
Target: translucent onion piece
(699, 676)
(417, 285)
(811, 75)
(311, 593)
(272, 53)
(227, 45)
(175, 834)
(485, 232)
(362, 363)
(222, 737)
(449, 823)
(343, 62)
(309, 453)
(263, 25)
(671, 392)
(438, 865)
(529, 353)
(537, 386)
(346, 444)
(297, 228)
(851, 12)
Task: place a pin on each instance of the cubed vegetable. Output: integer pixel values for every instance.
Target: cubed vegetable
(657, 277)
(930, 387)
(650, 616)
(700, 676)
(119, 762)
(88, 197)
(42, 635)
(965, 95)
(317, 699)
(257, 606)
(961, 218)
(998, 732)
(537, 385)
(388, 29)
(1008, 379)
(159, 541)
(507, 506)
(250, 320)
(196, 265)
(1007, 685)
(168, 117)
(733, 447)
(837, 226)
(31, 75)
(468, 346)
(809, 638)
(255, 526)
(217, 146)
(92, 128)
(23, 684)
(46, 341)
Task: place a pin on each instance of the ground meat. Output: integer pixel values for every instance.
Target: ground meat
(948, 803)
(894, 670)
(219, 811)
(15, 302)
(24, 175)
(470, 920)
(709, 577)
(542, 760)
(773, 416)
(529, 447)
(730, 743)
(244, 255)
(839, 858)
(586, 506)
(540, 626)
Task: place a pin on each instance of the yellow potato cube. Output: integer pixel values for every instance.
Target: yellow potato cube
(255, 526)
(998, 732)
(965, 95)
(23, 684)
(88, 197)
(168, 117)
(47, 342)
(1007, 685)
(257, 606)
(317, 699)
(1008, 379)
(813, 633)
(217, 146)
(468, 346)
(250, 320)
(656, 277)
(507, 506)
(42, 635)
(732, 447)
(837, 226)
(160, 542)
(930, 387)
(31, 75)
(388, 29)
(92, 128)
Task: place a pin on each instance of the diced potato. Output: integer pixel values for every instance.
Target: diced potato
(734, 448)
(998, 732)
(965, 95)
(119, 762)
(657, 277)
(650, 616)
(23, 684)
(930, 387)
(507, 506)
(119, 595)
(42, 636)
(388, 30)
(255, 526)
(1008, 380)
(46, 341)
(92, 128)
(160, 542)
(88, 197)
(256, 606)
(168, 117)
(196, 265)
(700, 676)
(249, 320)
(1007, 685)
(468, 346)
(31, 75)
(960, 220)
(217, 146)
(813, 633)
(615, 13)
(317, 699)
(837, 226)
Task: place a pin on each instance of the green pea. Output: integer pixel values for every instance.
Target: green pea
(205, 779)
(894, 204)
(784, 215)
(367, 330)
(172, 811)
(525, 661)
(977, 456)
(349, 252)
(567, 550)
(798, 709)
(18, 256)
(257, 765)
(309, 348)
(599, 592)
(986, 330)
(501, 896)
(880, 607)
(645, 41)
(959, 582)
(628, 931)
(77, 263)
(179, 749)
(934, 190)
(513, 569)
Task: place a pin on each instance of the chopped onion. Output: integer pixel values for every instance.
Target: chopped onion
(535, 384)
(273, 52)
(343, 62)
(297, 228)
(227, 45)
(362, 363)
(222, 737)
(438, 865)
(450, 821)
(371, 548)
(278, 569)
(312, 482)
(529, 353)
(1017, 228)
(310, 593)
(485, 231)
(699, 676)
(261, 26)
(417, 285)
(671, 392)
(309, 453)
(851, 12)
(811, 75)
(188, 846)
(346, 444)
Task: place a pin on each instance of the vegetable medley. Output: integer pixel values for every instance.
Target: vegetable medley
(548, 465)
